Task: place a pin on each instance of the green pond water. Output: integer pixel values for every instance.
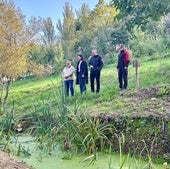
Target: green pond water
(65, 160)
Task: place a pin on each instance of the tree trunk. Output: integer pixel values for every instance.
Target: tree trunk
(4, 96)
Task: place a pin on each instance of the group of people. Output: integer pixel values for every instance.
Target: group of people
(95, 64)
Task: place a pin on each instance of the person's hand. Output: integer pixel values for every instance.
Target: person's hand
(83, 75)
(125, 67)
(91, 66)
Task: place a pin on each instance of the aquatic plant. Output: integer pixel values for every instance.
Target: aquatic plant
(88, 133)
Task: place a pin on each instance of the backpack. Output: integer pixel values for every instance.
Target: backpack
(127, 56)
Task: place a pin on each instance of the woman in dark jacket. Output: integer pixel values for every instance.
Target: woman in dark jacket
(82, 73)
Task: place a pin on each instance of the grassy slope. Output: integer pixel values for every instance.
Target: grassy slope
(26, 94)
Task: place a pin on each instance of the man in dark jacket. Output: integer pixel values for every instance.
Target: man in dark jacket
(96, 64)
(122, 67)
(81, 73)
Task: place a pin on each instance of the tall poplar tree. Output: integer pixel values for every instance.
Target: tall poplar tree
(49, 36)
(67, 31)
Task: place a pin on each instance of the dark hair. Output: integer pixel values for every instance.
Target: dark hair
(121, 45)
(81, 56)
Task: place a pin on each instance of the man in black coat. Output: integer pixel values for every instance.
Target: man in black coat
(122, 66)
(81, 74)
(96, 64)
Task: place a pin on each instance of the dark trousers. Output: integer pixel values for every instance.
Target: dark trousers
(123, 78)
(82, 83)
(95, 75)
(69, 86)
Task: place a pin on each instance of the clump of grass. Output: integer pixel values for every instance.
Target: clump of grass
(88, 133)
(6, 125)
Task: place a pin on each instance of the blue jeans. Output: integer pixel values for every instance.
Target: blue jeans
(82, 83)
(69, 86)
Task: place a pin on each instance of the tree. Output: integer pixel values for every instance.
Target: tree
(49, 37)
(166, 21)
(49, 43)
(119, 36)
(16, 38)
(95, 26)
(82, 45)
(140, 11)
(67, 31)
(83, 18)
(103, 14)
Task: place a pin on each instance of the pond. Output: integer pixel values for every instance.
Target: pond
(66, 160)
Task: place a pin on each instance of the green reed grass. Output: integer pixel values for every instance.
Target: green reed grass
(87, 133)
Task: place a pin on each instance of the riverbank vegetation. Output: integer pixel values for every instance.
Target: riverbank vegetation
(134, 122)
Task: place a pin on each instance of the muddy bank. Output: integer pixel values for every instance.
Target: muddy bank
(7, 162)
(144, 120)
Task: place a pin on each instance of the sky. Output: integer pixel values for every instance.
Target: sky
(50, 8)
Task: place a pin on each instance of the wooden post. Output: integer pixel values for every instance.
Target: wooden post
(136, 64)
(137, 77)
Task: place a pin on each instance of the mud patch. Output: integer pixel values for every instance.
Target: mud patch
(7, 162)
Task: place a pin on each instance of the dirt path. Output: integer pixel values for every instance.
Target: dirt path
(7, 162)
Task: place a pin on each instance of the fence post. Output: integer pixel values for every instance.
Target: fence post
(136, 64)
